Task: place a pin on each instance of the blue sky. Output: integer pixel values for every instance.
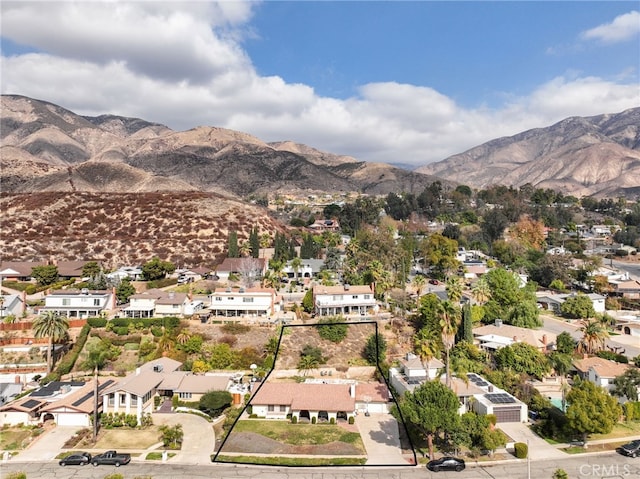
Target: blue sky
(399, 82)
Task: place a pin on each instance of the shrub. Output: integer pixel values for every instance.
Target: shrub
(313, 420)
(235, 328)
(115, 475)
(521, 450)
(332, 420)
(351, 420)
(294, 419)
(16, 475)
(97, 322)
(332, 330)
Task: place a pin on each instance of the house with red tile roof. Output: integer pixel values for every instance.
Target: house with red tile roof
(321, 400)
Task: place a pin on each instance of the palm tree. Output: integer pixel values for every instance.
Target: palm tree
(454, 289)
(307, 363)
(245, 249)
(265, 241)
(51, 325)
(593, 336)
(426, 344)
(449, 316)
(183, 337)
(481, 291)
(419, 283)
(296, 265)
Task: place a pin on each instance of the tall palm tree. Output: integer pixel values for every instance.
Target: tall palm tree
(53, 326)
(418, 283)
(426, 344)
(265, 241)
(593, 336)
(481, 292)
(296, 265)
(449, 316)
(454, 289)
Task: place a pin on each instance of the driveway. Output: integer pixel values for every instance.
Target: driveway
(199, 438)
(48, 444)
(381, 439)
(538, 447)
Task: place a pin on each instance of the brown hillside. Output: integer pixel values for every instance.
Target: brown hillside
(188, 229)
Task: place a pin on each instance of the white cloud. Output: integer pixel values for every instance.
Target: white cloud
(183, 65)
(622, 28)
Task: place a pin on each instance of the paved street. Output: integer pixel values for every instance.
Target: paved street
(582, 466)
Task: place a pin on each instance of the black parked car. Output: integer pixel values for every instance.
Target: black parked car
(631, 449)
(446, 464)
(76, 459)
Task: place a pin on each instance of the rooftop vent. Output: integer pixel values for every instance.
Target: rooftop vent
(498, 323)
(84, 291)
(346, 287)
(157, 368)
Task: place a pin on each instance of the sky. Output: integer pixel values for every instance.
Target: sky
(402, 82)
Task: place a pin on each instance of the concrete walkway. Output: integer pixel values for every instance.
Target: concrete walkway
(538, 447)
(381, 439)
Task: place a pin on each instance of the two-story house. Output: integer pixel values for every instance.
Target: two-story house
(344, 300)
(248, 302)
(79, 303)
(156, 303)
(12, 304)
(600, 371)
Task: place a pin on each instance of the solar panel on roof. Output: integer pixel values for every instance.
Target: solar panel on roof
(31, 403)
(82, 399)
(482, 383)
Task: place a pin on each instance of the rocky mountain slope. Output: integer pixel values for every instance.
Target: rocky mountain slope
(48, 148)
(598, 155)
(190, 228)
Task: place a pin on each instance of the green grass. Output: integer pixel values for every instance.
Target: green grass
(157, 456)
(299, 434)
(293, 461)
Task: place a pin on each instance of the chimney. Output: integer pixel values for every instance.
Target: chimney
(498, 323)
(544, 340)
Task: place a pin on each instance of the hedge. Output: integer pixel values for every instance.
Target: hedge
(521, 450)
(69, 360)
(632, 410)
(97, 322)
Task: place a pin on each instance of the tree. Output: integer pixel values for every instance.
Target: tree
(560, 474)
(375, 349)
(481, 291)
(440, 253)
(627, 384)
(124, 290)
(53, 326)
(233, 251)
(91, 269)
(432, 408)
(454, 289)
(296, 265)
(156, 269)
(426, 344)
(214, 402)
(591, 409)
(307, 301)
(418, 283)
(466, 332)
(579, 306)
(265, 241)
(254, 242)
(448, 315)
(493, 225)
(172, 435)
(332, 329)
(565, 343)
(524, 315)
(307, 363)
(45, 275)
(593, 336)
(522, 358)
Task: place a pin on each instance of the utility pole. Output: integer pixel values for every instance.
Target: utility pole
(528, 461)
(95, 405)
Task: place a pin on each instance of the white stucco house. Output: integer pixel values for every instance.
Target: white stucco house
(245, 302)
(81, 304)
(344, 300)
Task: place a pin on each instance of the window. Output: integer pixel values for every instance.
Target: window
(355, 296)
(367, 296)
(337, 297)
(184, 395)
(247, 300)
(218, 298)
(66, 302)
(283, 408)
(271, 408)
(123, 399)
(96, 302)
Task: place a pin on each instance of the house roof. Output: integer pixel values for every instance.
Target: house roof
(54, 387)
(235, 265)
(416, 363)
(70, 268)
(149, 294)
(146, 378)
(301, 396)
(375, 392)
(535, 337)
(346, 289)
(25, 404)
(605, 368)
(198, 384)
(462, 388)
(172, 298)
(255, 290)
(22, 267)
(82, 400)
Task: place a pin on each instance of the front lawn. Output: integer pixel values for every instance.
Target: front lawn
(622, 429)
(17, 437)
(124, 439)
(293, 461)
(299, 434)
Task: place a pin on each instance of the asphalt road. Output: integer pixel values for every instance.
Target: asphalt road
(581, 466)
(632, 268)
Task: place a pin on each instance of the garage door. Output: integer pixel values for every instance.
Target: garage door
(507, 414)
(72, 420)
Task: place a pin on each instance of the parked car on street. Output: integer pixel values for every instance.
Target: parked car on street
(446, 464)
(111, 458)
(631, 449)
(76, 459)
